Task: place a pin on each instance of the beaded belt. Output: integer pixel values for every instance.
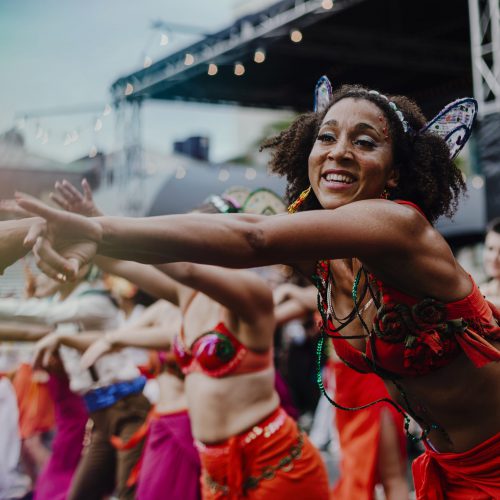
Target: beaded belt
(256, 431)
(267, 429)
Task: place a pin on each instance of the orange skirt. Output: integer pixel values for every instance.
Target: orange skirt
(36, 407)
(274, 460)
(359, 432)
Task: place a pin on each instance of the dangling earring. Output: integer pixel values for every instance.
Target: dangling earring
(298, 202)
(385, 194)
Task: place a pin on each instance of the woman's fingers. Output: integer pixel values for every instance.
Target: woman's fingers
(36, 231)
(87, 192)
(53, 264)
(70, 192)
(35, 206)
(55, 197)
(47, 354)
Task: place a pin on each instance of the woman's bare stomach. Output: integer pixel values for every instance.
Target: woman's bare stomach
(172, 394)
(223, 407)
(462, 399)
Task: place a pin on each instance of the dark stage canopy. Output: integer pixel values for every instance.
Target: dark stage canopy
(418, 48)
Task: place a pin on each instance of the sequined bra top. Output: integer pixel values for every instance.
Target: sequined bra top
(413, 337)
(218, 353)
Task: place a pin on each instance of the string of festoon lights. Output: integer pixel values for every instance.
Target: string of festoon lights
(33, 126)
(296, 36)
(161, 37)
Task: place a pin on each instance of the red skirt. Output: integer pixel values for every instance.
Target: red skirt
(473, 474)
(274, 460)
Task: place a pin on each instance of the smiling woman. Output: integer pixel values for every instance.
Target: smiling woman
(392, 297)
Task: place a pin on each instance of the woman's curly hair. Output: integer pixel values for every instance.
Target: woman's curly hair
(427, 176)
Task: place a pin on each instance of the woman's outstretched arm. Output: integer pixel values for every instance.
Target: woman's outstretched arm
(393, 241)
(22, 332)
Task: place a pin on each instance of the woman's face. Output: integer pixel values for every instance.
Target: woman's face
(492, 255)
(351, 158)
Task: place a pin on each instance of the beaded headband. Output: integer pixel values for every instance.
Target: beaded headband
(453, 123)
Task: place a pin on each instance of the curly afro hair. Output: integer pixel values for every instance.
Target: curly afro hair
(427, 176)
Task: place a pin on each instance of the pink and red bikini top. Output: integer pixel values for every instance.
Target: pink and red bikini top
(218, 353)
(414, 337)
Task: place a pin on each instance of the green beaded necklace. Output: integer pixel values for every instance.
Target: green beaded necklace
(319, 352)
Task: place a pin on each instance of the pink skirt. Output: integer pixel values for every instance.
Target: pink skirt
(170, 464)
(71, 417)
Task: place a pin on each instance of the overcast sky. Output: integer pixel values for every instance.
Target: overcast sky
(56, 54)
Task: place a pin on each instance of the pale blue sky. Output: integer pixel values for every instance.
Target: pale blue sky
(57, 53)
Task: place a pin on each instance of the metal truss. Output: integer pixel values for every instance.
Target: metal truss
(262, 26)
(484, 18)
(125, 171)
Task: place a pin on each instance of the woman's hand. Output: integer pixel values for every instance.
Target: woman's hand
(63, 242)
(11, 210)
(98, 349)
(70, 199)
(45, 348)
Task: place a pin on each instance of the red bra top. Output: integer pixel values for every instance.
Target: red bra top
(414, 337)
(218, 353)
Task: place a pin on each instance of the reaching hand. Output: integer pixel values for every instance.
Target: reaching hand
(44, 350)
(63, 242)
(95, 351)
(69, 198)
(12, 210)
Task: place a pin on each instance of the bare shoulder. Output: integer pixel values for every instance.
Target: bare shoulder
(426, 266)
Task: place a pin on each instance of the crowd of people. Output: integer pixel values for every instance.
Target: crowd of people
(406, 351)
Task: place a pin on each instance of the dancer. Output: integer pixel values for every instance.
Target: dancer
(170, 465)
(394, 300)
(112, 390)
(230, 381)
(372, 441)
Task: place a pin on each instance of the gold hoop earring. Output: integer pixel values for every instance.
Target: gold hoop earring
(299, 201)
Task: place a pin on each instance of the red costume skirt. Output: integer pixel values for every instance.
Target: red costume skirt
(359, 432)
(274, 459)
(473, 474)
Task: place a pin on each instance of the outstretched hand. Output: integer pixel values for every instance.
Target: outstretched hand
(11, 210)
(45, 348)
(63, 242)
(70, 199)
(96, 350)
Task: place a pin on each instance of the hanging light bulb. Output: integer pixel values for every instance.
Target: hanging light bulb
(212, 69)
(327, 4)
(163, 39)
(259, 56)
(224, 175)
(239, 69)
(107, 110)
(93, 152)
(188, 59)
(147, 62)
(129, 89)
(296, 36)
(98, 125)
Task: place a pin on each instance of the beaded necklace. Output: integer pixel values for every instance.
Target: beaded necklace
(357, 312)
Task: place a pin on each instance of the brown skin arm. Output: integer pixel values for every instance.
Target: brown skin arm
(289, 310)
(393, 241)
(81, 341)
(22, 332)
(146, 277)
